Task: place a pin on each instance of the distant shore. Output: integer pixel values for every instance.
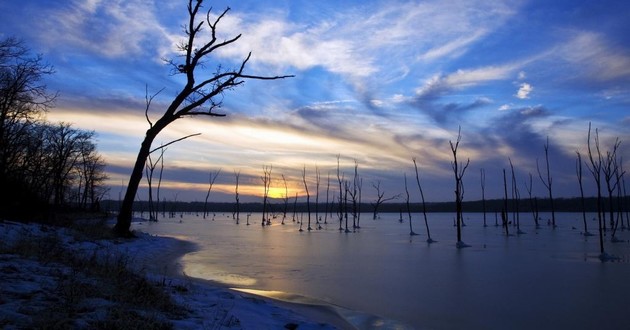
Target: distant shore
(573, 204)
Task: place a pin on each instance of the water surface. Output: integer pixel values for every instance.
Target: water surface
(545, 278)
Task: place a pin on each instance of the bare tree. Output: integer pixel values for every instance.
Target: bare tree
(380, 198)
(327, 198)
(533, 201)
(149, 169)
(609, 169)
(411, 232)
(345, 203)
(341, 191)
(295, 207)
(504, 211)
(266, 179)
(318, 178)
(458, 170)
(424, 206)
(359, 189)
(623, 197)
(612, 176)
(212, 177)
(596, 170)
(547, 182)
(237, 174)
(354, 193)
(578, 172)
(23, 98)
(483, 194)
(308, 198)
(285, 199)
(200, 96)
(516, 200)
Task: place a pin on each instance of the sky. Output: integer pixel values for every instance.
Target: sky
(376, 82)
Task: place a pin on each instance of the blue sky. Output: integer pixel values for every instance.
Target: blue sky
(378, 82)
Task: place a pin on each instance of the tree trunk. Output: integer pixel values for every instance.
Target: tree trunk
(123, 222)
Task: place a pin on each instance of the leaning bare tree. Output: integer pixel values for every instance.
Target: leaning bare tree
(424, 205)
(200, 96)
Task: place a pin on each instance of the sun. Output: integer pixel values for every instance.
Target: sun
(276, 192)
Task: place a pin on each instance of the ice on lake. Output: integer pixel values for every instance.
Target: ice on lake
(382, 277)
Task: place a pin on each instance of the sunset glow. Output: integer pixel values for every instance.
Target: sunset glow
(376, 83)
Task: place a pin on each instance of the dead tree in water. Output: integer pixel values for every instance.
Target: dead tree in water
(533, 202)
(340, 180)
(326, 210)
(424, 205)
(596, 170)
(308, 198)
(317, 181)
(211, 179)
(266, 179)
(411, 232)
(504, 212)
(621, 197)
(380, 198)
(459, 170)
(610, 169)
(547, 183)
(285, 199)
(149, 169)
(483, 195)
(238, 205)
(354, 194)
(578, 172)
(295, 207)
(345, 203)
(515, 200)
(360, 188)
(200, 96)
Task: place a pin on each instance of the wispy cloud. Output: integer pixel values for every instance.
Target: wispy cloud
(596, 56)
(109, 28)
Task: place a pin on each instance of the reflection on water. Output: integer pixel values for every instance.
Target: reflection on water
(202, 271)
(381, 270)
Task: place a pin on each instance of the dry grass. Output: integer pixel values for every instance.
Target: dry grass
(96, 290)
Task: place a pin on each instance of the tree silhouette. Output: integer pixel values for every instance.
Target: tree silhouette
(458, 170)
(200, 96)
(547, 182)
(380, 198)
(424, 205)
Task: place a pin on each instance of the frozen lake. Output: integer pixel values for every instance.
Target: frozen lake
(546, 278)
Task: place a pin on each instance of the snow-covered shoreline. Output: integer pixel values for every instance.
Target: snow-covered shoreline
(29, 285)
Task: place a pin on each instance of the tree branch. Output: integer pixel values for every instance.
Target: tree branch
(174, 141)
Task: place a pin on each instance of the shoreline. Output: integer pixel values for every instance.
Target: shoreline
(171, 267)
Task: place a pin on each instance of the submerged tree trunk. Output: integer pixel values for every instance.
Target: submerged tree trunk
(578, 172)
(483, 195)
(411, 232)
(424, 205)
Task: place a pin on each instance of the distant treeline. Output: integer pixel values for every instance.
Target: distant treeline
(494, 205)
